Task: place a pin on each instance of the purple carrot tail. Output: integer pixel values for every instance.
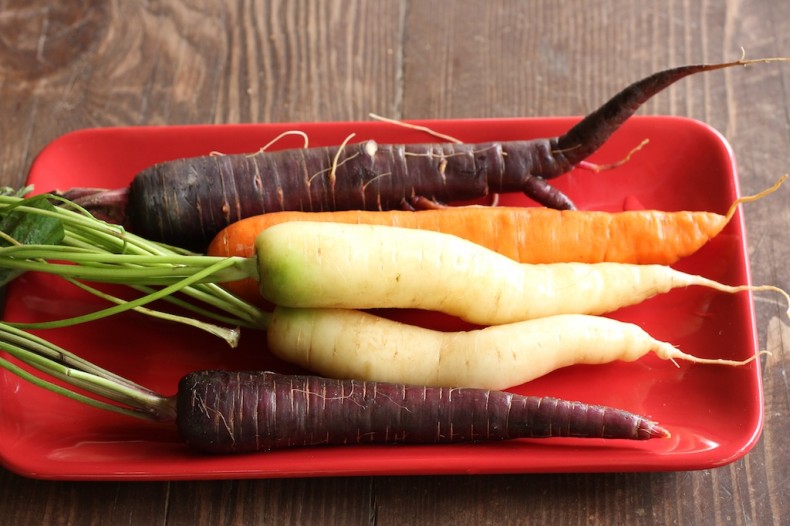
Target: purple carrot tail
(647, 430)
(107, 205)
(595, 129)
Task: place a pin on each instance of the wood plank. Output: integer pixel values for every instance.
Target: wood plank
(336, 501)
(28, 501)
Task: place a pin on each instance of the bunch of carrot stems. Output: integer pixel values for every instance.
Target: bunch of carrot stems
(156, 270)
(117, 394)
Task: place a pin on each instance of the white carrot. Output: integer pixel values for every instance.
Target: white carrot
(342, 343)
(330, 265)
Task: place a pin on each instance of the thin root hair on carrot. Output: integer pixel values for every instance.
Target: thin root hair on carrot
(333, 170)
(747, 288)
(217, 153)
(597, 168)
(442, 156)
(678, 354)
(417, 127)
(774, 289)
(336, 162)
(284, 134)
(379, 176)
(745, 62)
(755, 197)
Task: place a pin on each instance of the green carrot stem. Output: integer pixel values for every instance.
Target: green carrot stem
(229, 335)
(16, 336)
(245, 314)
(127, 397)
(123, 268)
(35, 380)
(242, 313)
(128, 305)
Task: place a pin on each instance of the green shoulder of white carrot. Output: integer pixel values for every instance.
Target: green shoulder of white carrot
(327, 265)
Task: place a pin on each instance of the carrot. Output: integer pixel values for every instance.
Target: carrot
(187, 201)
(325, 265)
(354, 344)
(261, 411)
(530, 235)
(229, 412)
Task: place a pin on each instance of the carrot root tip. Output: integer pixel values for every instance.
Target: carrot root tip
(715, 361)
(648, 429)
(597, 168)
(755, 197)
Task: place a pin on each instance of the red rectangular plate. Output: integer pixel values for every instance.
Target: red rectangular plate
(715, 413)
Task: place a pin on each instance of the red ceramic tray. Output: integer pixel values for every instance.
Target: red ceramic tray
(714, 412)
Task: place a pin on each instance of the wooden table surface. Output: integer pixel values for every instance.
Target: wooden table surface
(89, 63)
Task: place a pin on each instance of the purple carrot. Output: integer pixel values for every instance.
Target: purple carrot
(185, 202)
(227, 412)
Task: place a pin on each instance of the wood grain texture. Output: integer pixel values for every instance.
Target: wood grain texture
(71, 65)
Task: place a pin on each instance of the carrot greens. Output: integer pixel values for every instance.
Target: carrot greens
(38, 236)
(27, 228)
(119, 394)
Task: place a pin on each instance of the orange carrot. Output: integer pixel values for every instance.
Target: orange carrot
(528, 235)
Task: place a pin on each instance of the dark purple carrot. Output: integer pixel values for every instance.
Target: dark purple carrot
(185, 202)
(225, 412)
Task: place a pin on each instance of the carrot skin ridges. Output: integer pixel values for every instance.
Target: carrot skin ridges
(227, 412)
